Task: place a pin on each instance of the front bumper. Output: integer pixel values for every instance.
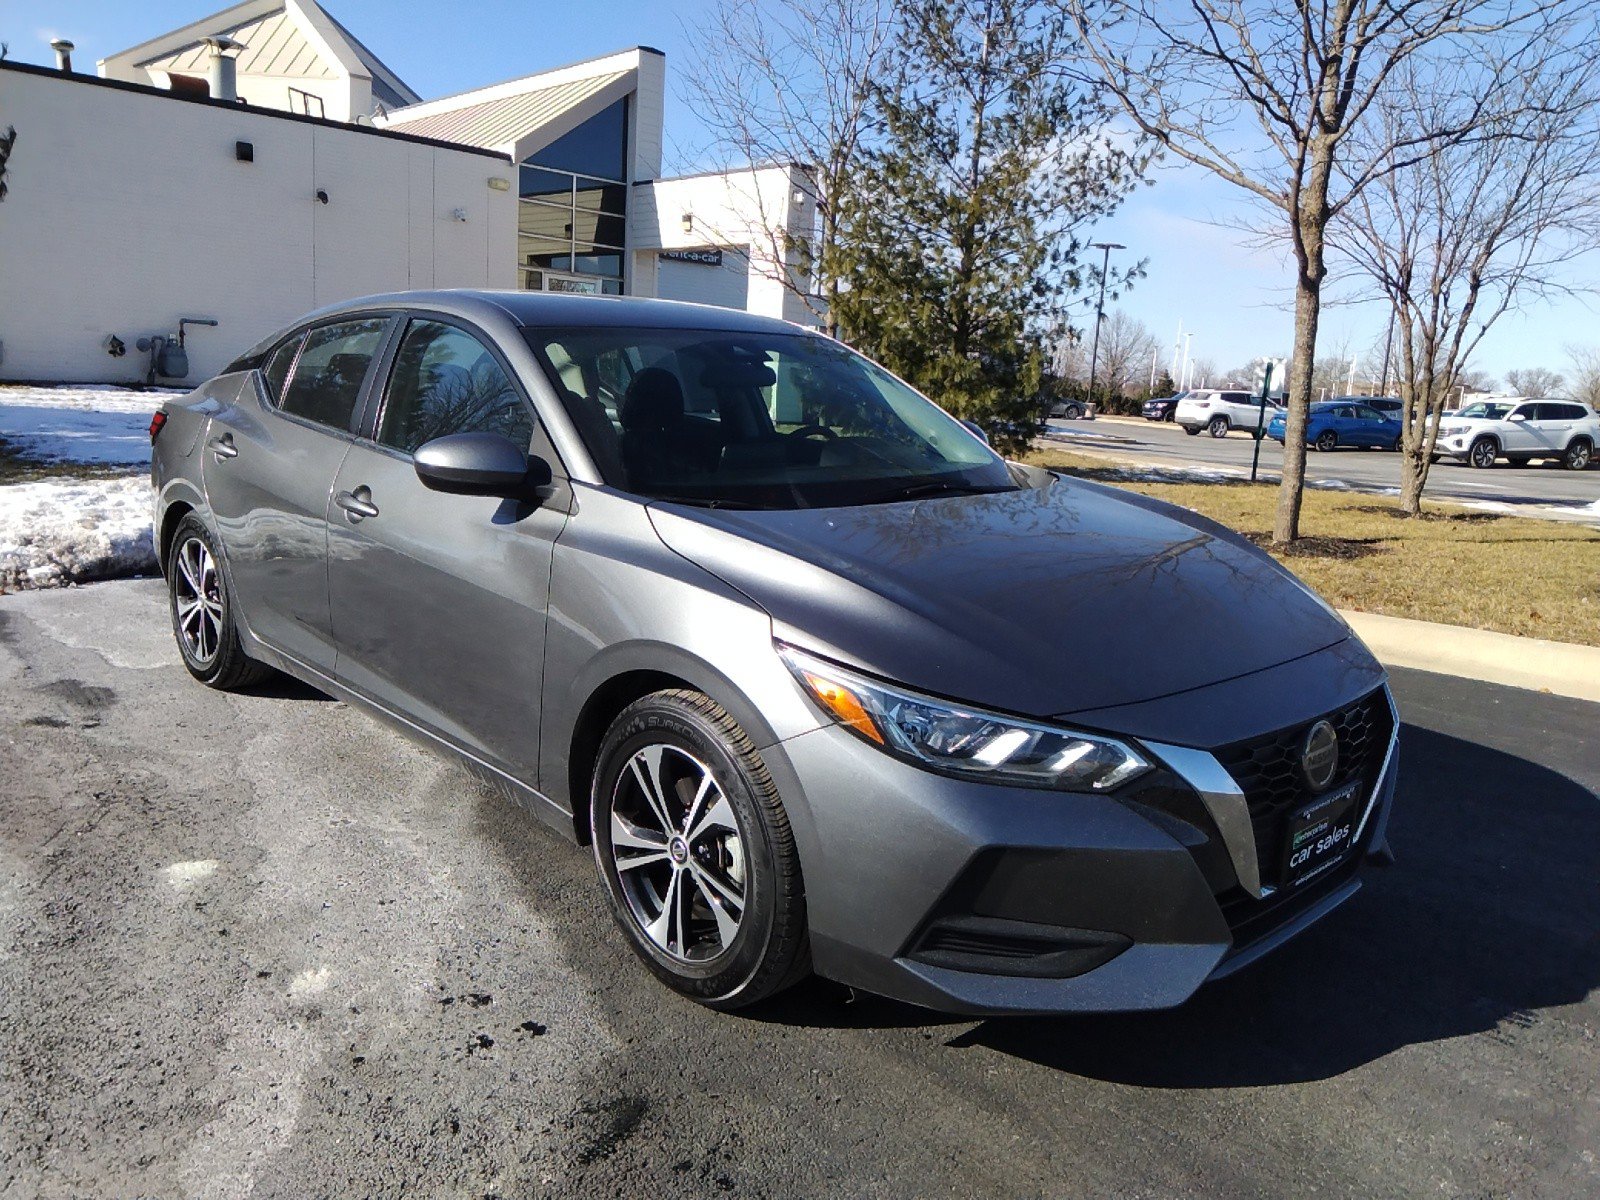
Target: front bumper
(982, 899)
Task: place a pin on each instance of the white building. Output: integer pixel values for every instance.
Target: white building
(261, 162)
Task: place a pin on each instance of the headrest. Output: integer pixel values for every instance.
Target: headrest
(654, 400)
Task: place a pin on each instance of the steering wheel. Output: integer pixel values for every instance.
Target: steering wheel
(805, 431)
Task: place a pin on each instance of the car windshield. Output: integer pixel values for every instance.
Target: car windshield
(756, 420)
(1485, 411)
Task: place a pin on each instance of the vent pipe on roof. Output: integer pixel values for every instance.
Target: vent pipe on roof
(224, 67)
(63, 49)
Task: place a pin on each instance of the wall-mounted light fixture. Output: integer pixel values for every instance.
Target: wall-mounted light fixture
(244, 151)
(322, 196)
(496, 184)
(688, 222)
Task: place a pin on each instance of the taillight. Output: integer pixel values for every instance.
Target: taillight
(157, 420)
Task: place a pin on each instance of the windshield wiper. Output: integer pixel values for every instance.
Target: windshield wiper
(934, 487)
(705, 502)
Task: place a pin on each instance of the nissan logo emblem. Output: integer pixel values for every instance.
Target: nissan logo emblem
(1319, 757)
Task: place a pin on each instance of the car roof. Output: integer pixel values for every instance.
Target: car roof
(558, 310)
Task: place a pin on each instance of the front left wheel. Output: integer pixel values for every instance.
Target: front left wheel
(695, 849)
(1578, 455)
(202, 612)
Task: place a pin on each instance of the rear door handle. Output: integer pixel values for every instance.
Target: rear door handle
(357, 505)
(223, 447)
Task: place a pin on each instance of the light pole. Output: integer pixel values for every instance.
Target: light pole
(1099, 308)
(1183, 371)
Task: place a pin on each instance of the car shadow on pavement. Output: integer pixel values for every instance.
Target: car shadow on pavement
(1488, 917)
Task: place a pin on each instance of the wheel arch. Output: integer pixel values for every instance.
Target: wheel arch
(177, 502)
(605, 702)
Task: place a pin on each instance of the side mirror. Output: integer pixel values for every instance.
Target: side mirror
(976, 430)
(480, 464)
(1516, 416)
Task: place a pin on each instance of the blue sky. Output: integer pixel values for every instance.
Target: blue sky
(1235, 299)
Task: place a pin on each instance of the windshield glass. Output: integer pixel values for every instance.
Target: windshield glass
(1483, 409)
(756, 420)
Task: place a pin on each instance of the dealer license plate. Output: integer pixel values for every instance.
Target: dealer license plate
(1320, 834)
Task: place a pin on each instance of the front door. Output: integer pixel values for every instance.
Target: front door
(270, 461)
(439, 600)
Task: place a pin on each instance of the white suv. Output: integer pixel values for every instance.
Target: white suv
(1521, 431)
(1217, 412)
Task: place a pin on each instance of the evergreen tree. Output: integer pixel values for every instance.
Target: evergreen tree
(964, 234)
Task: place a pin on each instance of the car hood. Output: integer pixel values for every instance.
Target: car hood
(1042, 601)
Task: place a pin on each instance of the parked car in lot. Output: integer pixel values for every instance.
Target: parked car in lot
(1071, 410)
(1521, 431)
(1162, 408)
(1332, 424)
(1221, 412)
(759, 624)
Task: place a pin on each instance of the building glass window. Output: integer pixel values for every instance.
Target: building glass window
(573, 217)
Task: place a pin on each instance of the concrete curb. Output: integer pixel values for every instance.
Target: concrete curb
(1558, 668)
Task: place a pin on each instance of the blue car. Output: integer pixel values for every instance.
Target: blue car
(1336, 423)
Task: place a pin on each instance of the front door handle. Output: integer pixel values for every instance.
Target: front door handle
(357, 505)
(223, 447)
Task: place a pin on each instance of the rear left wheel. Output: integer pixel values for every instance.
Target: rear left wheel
(202, 612)
(696, 852)
(1218, 427)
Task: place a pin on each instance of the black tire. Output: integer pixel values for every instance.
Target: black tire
(1579, 454)
(208, 639)
(1172, 414)
(1327, 440)
(692, 736)
(1483, 453)
(1218, 427)
(1072, 413)
(1433, 459)
(1191, 430)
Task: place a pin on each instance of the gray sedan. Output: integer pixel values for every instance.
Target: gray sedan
(825, 683)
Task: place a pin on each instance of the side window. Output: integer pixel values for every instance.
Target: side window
(327, 379)
(445, 381)
(1528, 412)
(276, 372)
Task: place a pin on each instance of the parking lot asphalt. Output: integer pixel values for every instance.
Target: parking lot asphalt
(1540, 489)
(257, 944)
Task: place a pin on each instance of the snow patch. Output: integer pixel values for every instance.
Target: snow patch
(99, 424)
(70, 531)
(185, 875)
(309, 982)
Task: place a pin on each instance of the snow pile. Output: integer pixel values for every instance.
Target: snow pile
(83, 423)
(70, 531)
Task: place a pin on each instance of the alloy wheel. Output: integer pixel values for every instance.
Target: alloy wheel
(1484, 452)
(1578, 456)
(198, 598)
(678, 853)
(1218, 427)
(1327, 441)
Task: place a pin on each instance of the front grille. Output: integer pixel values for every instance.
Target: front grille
(1267, 770)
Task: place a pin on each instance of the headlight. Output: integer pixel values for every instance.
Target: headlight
(957, 740)
(1452, 430)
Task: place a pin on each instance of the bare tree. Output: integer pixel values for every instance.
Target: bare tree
(1585, 374)
(1266, 96)
(1459, 238)
(790, 82)
(1534, 381)
(1127, 348)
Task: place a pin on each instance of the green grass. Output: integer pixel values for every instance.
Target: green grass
(1451, 565)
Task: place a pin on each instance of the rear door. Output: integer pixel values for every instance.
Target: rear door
(270, 461)
(1552, 426)
(438, 601)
